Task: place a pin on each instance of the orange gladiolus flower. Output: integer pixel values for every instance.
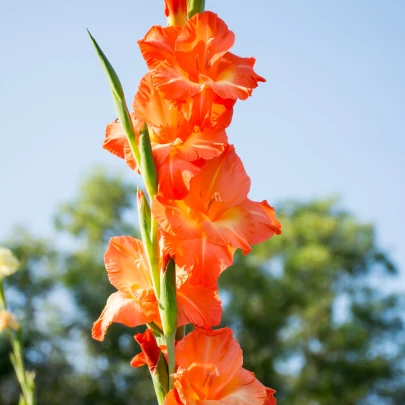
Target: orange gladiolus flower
(182, 135)
(186, 60)
(203, 231)
(210, 372)
(135, 302)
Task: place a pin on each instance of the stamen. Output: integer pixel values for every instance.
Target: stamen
(210, 376)
(215, 197)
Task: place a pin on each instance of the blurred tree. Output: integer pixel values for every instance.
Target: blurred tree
(306, 308)
(310, 315)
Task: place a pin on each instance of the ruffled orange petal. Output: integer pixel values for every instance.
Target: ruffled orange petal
(139, 360)
(121, 308)
(174, 176)
(175, 218)
(204, 39)
(213, 353)
(116, 141)
(127, 264)
(150, 106)
(200, 257)
(158, 45)
(263, 219)
(203, 144)
(234, 227)
(198, 305)
(208, 110)
(129, 157)
(150, 350)
(161, 152)
(210, 372)
(243, 389)
(235, 77)
(221, 184)
(218, 110)
(270, 400)
(173, 81)
(172, 398)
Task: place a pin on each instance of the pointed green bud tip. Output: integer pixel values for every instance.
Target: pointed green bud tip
(160, 377)
(144, 215)
(168, 298)
(113, 79)
(118, 98)
(148, 166)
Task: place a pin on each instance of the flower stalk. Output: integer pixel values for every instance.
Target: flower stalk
(165, 285)
(24, 377)
(195, 6)
(192, 218)
(168, 311)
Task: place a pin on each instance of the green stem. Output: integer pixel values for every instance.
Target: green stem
(150, 239)
(155, 257)
(2, 296)
(16, 357)
(171, 357)
(195, 6)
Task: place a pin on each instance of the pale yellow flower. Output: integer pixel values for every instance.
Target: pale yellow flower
(7, 320)
(9, 264)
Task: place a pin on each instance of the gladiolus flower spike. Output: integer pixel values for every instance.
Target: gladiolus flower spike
(194, 213)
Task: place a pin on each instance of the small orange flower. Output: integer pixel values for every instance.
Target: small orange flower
(203, 231)
(186, 60)
(135, 302)
(150, 351)
(210, 372)
(176, 12)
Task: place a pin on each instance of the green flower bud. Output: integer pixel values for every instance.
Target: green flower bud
(168, 299)
(148, 167)
(160, 378)
(120, 104)
(144, 216)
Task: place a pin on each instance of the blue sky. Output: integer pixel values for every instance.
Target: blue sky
(329, 121)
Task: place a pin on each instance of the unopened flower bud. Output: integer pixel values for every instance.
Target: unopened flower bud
(148, 166)
(176, 12)
(144, 217)
(8, 320)
(9, 264)
(168, 299)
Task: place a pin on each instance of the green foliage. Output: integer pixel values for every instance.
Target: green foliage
(309, 321)
(305, 306)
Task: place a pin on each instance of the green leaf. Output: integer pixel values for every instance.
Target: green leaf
(118, 98)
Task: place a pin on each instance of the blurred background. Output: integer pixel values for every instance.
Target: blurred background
(319, 311)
